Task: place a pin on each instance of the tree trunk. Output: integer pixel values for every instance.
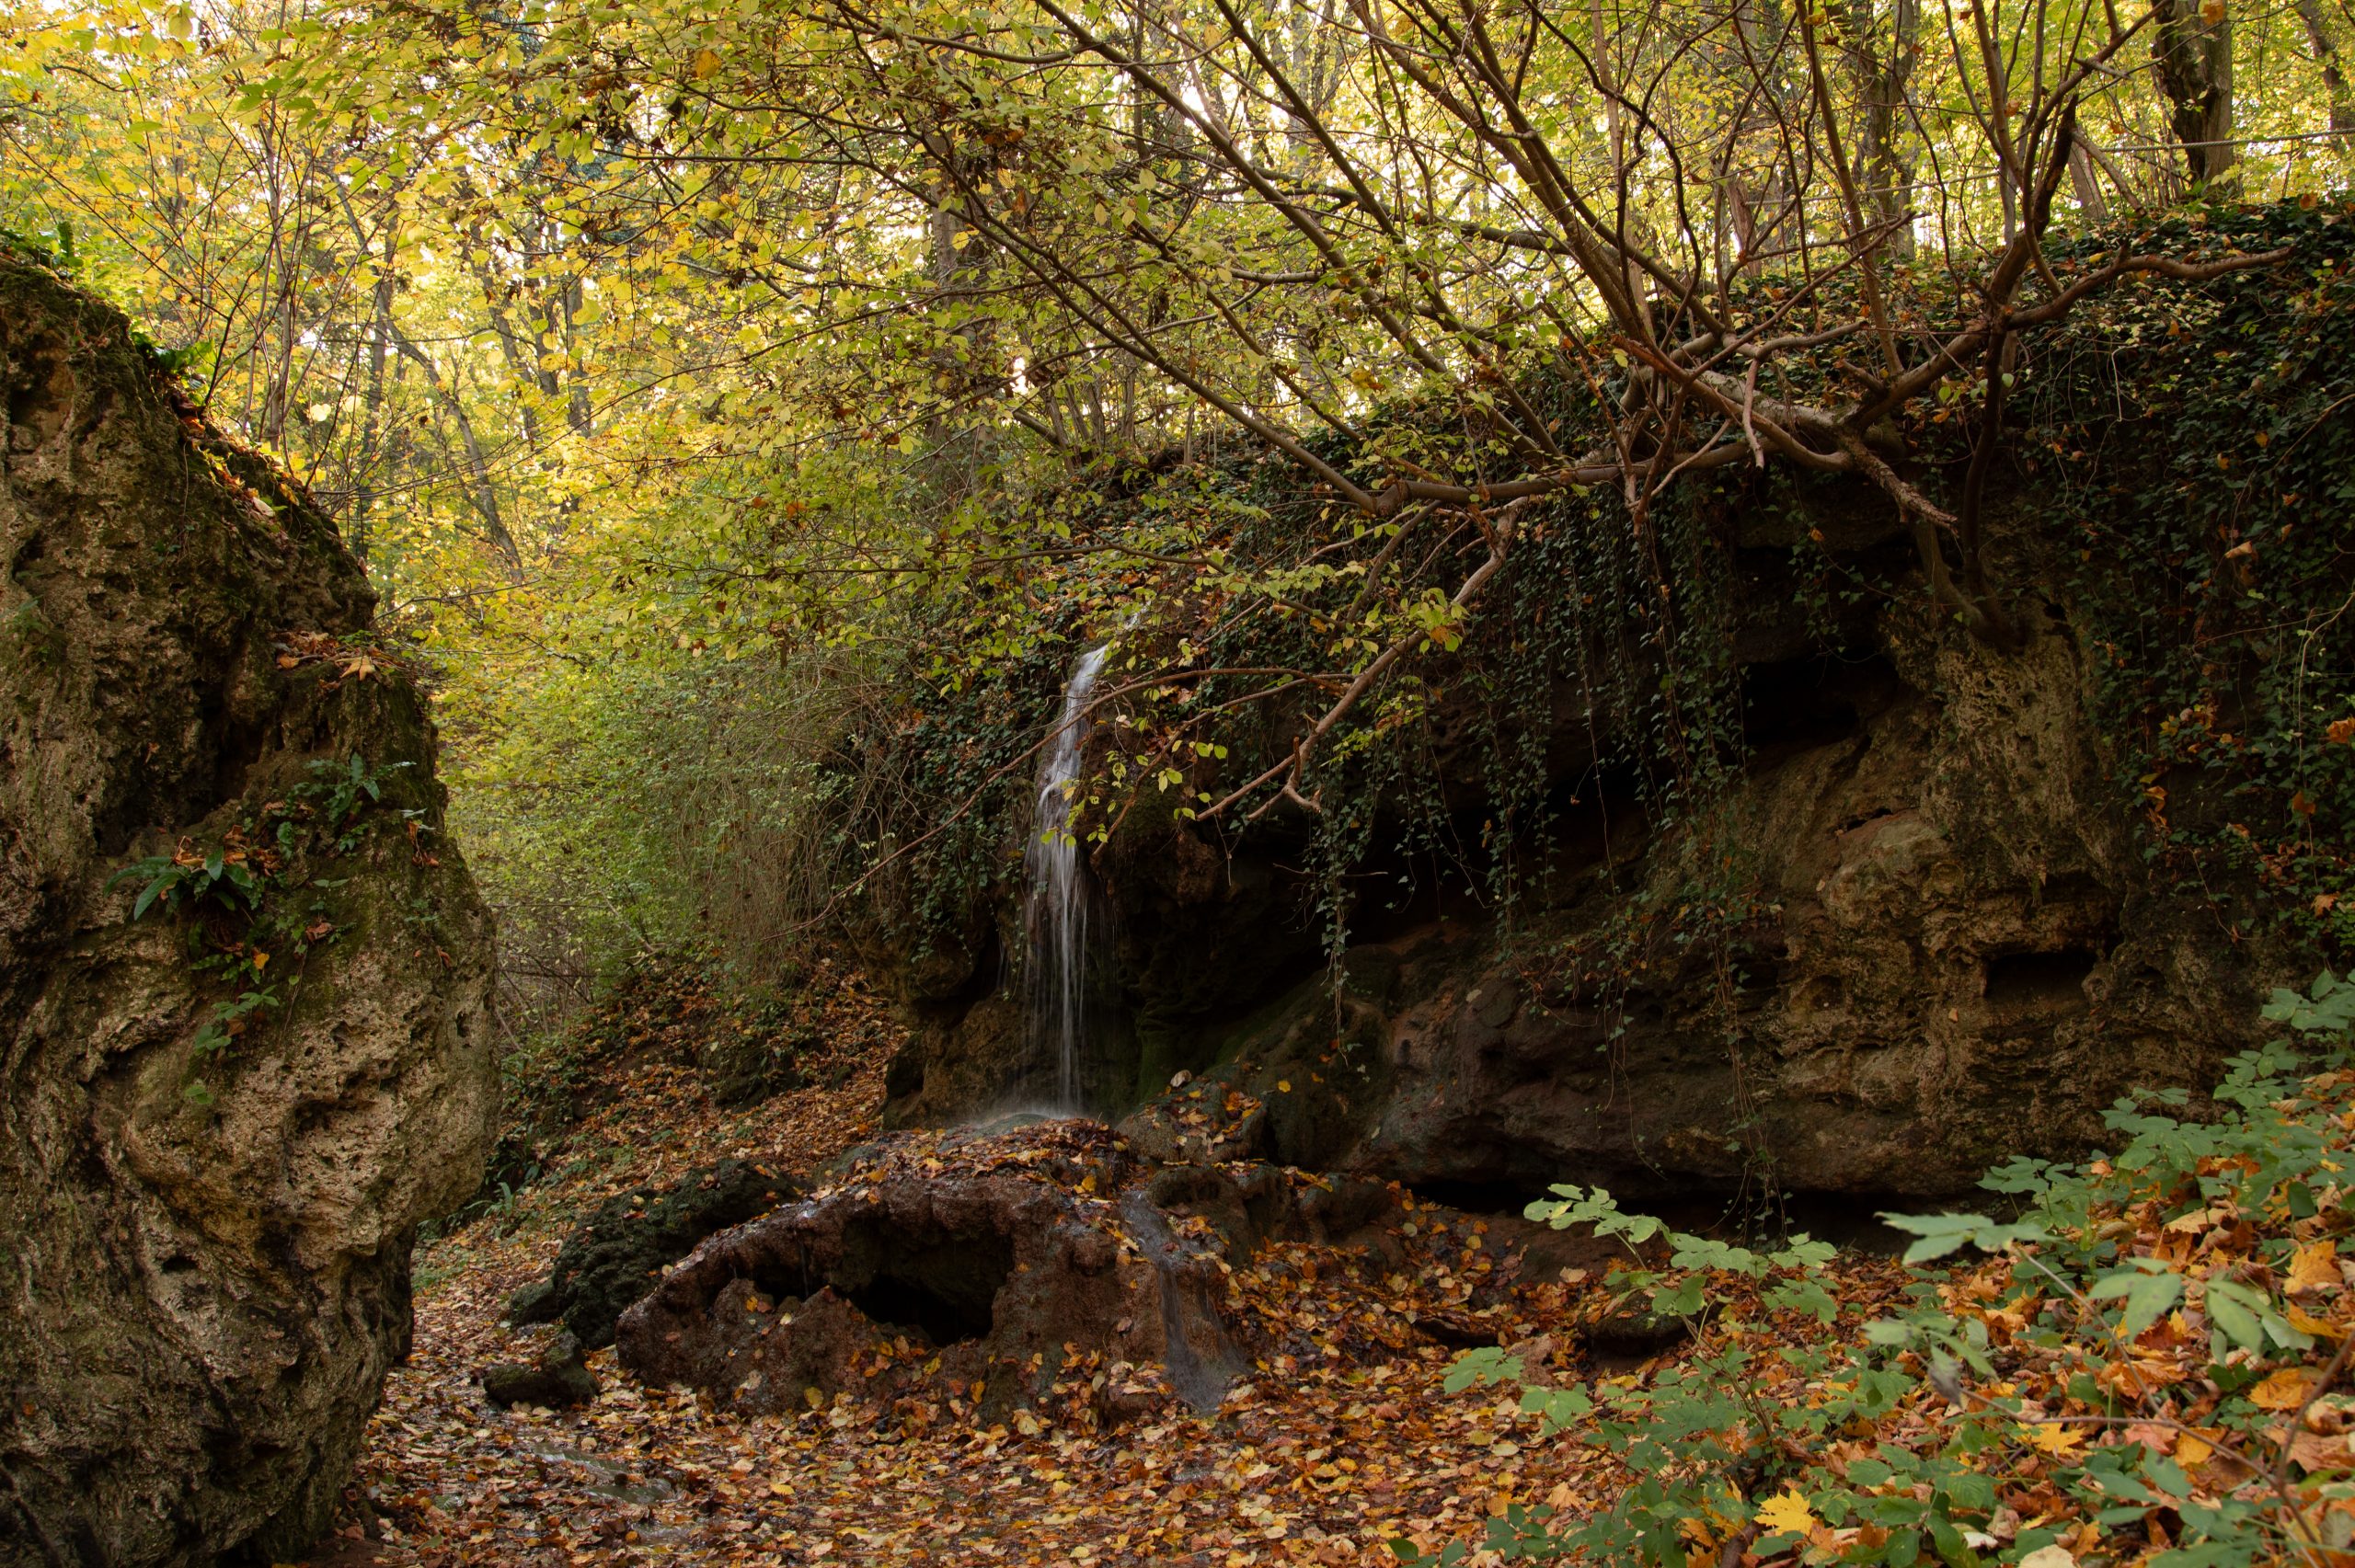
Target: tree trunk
(2087, 186)
(2334, 75)
(2193, 51)
(380, 339)
(1885, 49)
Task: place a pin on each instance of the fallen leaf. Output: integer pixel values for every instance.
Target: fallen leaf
(2306, 1322)
(2314, 1450)
(2053, 1438)
(2285, 1390)
(1787, 1513)
(2315, 1266)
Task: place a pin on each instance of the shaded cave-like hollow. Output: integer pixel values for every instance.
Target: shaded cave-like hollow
(942, 1284)
(2040, 979)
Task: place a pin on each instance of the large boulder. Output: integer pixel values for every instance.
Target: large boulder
(224, 1114)
(991, 1269)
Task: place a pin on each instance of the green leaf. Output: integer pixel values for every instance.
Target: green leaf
(2234, 1309)
(2148, 1296)
(1942, 1233)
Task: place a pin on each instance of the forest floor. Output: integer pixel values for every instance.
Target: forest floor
(1325, 1458)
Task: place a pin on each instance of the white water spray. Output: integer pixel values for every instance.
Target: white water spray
(1059, 895)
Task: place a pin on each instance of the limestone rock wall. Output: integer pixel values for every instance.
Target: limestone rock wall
(205, 1214)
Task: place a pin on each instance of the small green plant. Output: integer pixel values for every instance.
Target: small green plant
(254, 856)
(341, 791)
(218, 1032)
(228, 1020)
(223, 876)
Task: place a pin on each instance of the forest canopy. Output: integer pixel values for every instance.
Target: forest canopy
(703, 385)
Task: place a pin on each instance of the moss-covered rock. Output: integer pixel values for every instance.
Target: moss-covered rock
(619, 1252)
(221, 1121)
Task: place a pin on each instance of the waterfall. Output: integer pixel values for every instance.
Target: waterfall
(1057, 916)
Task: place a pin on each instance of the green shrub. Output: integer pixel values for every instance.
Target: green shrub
(2139, 1366)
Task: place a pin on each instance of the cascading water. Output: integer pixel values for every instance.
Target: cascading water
(1059, 895)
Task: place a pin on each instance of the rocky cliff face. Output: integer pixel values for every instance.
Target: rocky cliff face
(1917, 935)
(221, 1119)
(1944, 949)
(1811, 890)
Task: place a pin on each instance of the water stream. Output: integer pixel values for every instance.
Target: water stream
(1059, 893)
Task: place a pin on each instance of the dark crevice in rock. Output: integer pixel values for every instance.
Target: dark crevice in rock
(946, 1286)
(1797, 704)
(1494, 1196)
(2039, 981)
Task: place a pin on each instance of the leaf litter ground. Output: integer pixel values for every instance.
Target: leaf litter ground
(1328, 1451)
(1340, 1441)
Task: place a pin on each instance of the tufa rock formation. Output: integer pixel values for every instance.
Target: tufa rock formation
(1945, 949)
(989, 1269)
(222, 1119)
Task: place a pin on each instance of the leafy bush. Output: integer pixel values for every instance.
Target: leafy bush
(2140, 1365)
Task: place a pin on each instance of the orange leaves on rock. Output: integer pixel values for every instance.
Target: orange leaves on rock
(297, 648)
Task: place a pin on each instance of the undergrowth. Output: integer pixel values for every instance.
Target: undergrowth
(2141, 1364)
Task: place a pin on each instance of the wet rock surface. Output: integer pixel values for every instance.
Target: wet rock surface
(618, 1254)
(206, 1212)
(1918, 934)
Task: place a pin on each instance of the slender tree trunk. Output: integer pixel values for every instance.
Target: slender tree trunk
(521, 364)
(2087, 187)
(1886, 49)
(484, 488)
(372, 418)
(2193, 49)
(2334, 75)
(578, 413)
